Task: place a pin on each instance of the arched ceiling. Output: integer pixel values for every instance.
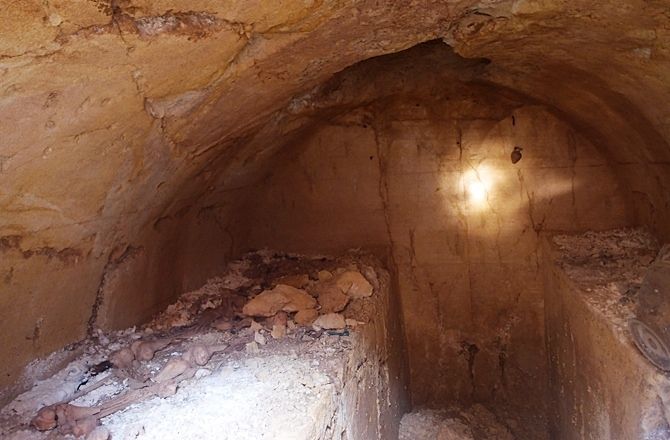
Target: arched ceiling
(157, 88)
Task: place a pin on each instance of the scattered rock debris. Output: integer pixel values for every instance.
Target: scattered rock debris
(261, 339)
(608, 267)
(475, 423)
(599, 258)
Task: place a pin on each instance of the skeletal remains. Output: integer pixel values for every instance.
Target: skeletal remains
(80, 421)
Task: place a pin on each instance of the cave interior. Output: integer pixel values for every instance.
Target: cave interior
(335, 220)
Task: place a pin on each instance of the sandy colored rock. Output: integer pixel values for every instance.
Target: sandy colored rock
(242, 323)
(278, 331)
(282, 297)
(354, 284)
(281, 318)
(298, 299)
(266, 303)
(325, 275)
(297, 281)
(330, 321)
(330, 297)
(475, 422)
(305, 317)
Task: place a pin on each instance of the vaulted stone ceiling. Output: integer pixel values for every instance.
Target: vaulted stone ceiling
(118, 116)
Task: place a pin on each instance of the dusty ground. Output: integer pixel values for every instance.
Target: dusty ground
(264, 384)
(474, 423)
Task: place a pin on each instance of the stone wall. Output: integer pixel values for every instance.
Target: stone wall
(398, 174)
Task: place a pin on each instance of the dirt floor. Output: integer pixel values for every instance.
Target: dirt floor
(278, 333)
(475, 423)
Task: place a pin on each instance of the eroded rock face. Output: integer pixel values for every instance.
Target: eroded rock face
(133, 130)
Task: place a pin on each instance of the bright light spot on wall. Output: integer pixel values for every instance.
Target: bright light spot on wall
(477, 192)
(478, 185)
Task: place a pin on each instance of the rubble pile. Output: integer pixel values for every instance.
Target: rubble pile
(599, 258)
(263, 300)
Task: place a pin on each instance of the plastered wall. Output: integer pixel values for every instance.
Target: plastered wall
(396, 174)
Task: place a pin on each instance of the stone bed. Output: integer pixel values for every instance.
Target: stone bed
(601, 385)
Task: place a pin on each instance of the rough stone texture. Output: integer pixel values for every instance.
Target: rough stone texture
(143, 125)
(601, 386)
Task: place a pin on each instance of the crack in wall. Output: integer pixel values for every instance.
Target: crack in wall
(194, 25)
(465, 222)
(115, 259)
(470, 351)
(378, 126)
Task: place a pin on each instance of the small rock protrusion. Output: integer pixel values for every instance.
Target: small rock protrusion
(330, 297)
(279, 325)
(354, 284)
(325, 275)
(252, 347)
(282, 297)
(330, 321)
(266, 303)
(278, 331)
